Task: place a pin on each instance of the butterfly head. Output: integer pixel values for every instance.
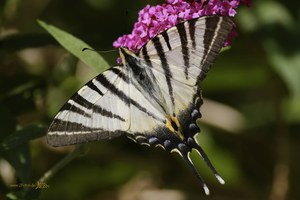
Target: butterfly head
(126, 54)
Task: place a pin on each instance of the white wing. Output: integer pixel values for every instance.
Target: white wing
(99, 110)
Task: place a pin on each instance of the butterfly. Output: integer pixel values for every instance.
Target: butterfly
(153, 97)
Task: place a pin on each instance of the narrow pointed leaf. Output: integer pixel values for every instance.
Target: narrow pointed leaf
(75, 46)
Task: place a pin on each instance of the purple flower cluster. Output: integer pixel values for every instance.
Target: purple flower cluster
(153, 20)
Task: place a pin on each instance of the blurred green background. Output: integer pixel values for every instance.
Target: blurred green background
(251, 112)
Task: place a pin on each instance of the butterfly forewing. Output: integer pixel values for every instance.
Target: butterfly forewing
(96, 111)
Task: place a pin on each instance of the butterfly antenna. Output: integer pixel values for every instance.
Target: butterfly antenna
(107, 51)
(206, 160)
(186, 156)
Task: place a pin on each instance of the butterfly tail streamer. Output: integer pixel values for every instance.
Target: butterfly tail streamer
(194, 145)
(185, 153)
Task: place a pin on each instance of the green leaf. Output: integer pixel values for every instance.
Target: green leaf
(75, 46)
(22, 136)
(20, 159)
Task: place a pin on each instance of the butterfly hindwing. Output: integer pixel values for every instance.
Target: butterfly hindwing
(189, 48)
(179, 58)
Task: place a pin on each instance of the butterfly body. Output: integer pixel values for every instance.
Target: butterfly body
(153, 98)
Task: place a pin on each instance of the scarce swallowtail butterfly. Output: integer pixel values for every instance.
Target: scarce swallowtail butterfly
(153, 97)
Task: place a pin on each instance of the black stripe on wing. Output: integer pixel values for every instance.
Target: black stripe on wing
(112, 88)
(165, 66)
(106, 113)
(82, 101)
(59, 125)
(167, 40)
(210, 32)
(184, 48)
(120, 74)
(92, 86)
(71, 107)
(146, 56)
(192, 32)
(216, 32)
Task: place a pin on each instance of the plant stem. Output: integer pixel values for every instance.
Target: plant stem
(62, 163)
